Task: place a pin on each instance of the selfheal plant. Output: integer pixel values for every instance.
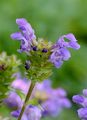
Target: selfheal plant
(42, 55)
(81, 100)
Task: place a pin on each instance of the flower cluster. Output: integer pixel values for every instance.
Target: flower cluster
(59, 50)
(56, 53)
(49, 101)
(81, 100)
(42, 55)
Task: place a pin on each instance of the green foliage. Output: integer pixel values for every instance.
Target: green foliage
(8, 67)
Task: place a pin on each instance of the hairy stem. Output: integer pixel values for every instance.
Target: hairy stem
(26, 99)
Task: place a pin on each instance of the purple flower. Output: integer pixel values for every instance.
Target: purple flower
(58, 56)
(13, 101)
(72, 42)
(50, 108)
(26, 36)
(21, 84)
(15, 113)
(78, 99)
(82, 113)
(26, 28)
(82, 100)
(31, 113)
(59, 50)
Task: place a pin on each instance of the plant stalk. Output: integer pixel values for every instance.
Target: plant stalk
(26, 99)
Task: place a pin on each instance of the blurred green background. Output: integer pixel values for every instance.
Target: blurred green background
(51, 19)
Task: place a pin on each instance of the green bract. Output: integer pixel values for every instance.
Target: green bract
(8, 67)
(40, 66)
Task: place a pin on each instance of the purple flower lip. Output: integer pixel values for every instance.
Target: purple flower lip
(44, 50)
(15, 113)
(78, 99)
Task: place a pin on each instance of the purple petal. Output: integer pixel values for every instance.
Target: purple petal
(17, 36)
(65, 53)
(21, 21)
(82, 113)
(51, 108)
(21, 85)
(85, 92)
(78, 99)
(15, 113)
(58, 64)
(73, 42)
(33, 113)
(74, 45)
(71, 37)
(59, 92)
(26, 28)
(26, 35)
(13, 103)
(65, 103)
(61, 43)
(84, 104)
(47, 84)
(56, 58)
(24, 117)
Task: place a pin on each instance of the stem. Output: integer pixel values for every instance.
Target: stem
(26, 100)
